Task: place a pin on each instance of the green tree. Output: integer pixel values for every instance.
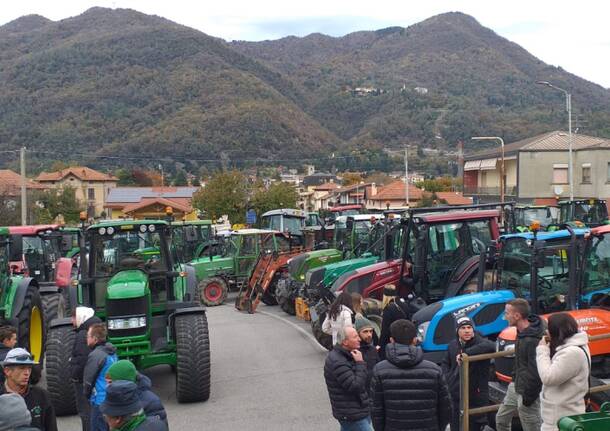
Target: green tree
(225, 193)
(54, 202)
(278, 195)
(350, 178)
(196, 182)
(180, 178)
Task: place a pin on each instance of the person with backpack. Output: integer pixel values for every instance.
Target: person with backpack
(564, 365)
(394, 308)
(340, 315)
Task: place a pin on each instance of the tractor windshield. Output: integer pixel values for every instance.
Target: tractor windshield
(597, 270)
(525, 216)
(127, 250)
(344, 239)
(588, 212)
(552, 272)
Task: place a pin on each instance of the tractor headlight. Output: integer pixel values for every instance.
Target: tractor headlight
(505, 345)
(102, 230)
(110, 230)
(152, 227)
(142, 228)
(127, 323)
(422, 329)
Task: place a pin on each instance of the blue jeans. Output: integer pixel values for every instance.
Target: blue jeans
(97, 419)
(360, 425)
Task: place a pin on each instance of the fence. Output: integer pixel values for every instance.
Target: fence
(466, 411)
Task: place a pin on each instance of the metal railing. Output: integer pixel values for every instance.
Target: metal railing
(466, 411)
(489, 191)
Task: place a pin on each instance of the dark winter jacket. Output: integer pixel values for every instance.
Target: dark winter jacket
(396, 310)
(525, 372)
(142, 423)
(346, 384)
(3, 351)
(371, 357)
(151, 403)
(409, 393)
(94, 376)
(478, 371)
(80, 350)
(40, 407)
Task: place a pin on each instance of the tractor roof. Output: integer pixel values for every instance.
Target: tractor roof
(252, 231)
(361, 217)
(107, 223)
(544, 236)
(526, 207)
(192, 223)
(285, 212)
(582, 201)
(32, 229)
(345, 208)
(456, 216)
(3, 231)
(601, 230)
(70, 229)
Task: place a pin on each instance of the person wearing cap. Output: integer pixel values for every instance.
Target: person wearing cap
(468, 341)
(123, 411)
(394, 308)
(99, 360)
(14, 414)
(17, 368)
(365, 329)
(151, 403)
(82, 319)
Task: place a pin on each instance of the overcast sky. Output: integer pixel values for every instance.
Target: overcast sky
(572, 34)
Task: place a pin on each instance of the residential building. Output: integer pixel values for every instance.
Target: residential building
(393, 195)
(151, 202)
(10, 184)
(319, 197)
(355, 194)
(453, 198)
(319, 178)
(536, 169)
(91, 186)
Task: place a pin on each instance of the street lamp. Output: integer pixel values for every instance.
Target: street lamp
(501, 141)
(569, 110)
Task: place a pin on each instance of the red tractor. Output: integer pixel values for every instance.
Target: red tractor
(43, 247)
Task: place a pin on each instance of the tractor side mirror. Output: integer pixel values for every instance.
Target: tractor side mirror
(190, 233)
(16, 248)
(349, 224)
(66, 242)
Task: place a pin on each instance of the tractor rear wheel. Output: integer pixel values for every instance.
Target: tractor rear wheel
(323, 338)
(31, 334)
(288, 306)
(597, 398)
(212, 291)
(59, 385)
(192, 358)
(53, 306)
(268, 298)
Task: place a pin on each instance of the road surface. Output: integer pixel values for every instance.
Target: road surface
(267, 374)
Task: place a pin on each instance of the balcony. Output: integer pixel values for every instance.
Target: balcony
(489, 191)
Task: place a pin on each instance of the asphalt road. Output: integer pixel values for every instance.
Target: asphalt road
(267, 374)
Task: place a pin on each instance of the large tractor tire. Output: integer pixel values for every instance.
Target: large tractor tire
(288, 306)
(268, 298)
(61, 390)
(192, 357)
(597, 398)
(212, 291)
(31, 333)
(54, 307)
(324, 339)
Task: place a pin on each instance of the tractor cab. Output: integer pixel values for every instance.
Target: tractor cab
(286, 220)
(193, 239)
(70, 241)
(352, 233)
(524, 215)
(587, 212)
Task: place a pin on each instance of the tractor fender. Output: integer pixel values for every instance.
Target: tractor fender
(191, 283)
(462, 274)
(73, 296)
(56, 323)
(182, 312)
(48, 289)
(19, 297)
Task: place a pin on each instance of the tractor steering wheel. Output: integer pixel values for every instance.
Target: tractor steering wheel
(544, 283)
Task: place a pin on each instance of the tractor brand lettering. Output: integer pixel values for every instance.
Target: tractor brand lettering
(323, 258)
(386, 272)
(586, 320)
(466, 310)
(127, 227)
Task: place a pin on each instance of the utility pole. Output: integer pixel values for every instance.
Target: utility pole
(407, 175)
(24, 200)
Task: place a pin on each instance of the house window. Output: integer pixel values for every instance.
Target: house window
(608, 173)
(586, 173)
(560, 173)
(91, 194)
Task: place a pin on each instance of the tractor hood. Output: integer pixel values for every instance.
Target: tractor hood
(299, 265)
(127, 284)
(334, 270)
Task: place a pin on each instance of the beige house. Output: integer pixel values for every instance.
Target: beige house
(536, 169)
(92, 187)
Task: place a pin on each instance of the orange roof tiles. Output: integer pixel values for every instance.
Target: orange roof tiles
(454, 198)
(396, 191)
(81, 172)
(10, 183)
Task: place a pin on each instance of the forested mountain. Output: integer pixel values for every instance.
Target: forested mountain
(125, 84)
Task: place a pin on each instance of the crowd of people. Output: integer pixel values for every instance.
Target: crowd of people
(110, 393)
(385, 384)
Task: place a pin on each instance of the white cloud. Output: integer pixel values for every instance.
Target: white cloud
(567, 34)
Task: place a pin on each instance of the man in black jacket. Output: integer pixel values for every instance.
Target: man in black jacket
(17, 368)
(82, 319)
(522, 396)
(345, 375)
(369, 351)
(472, 343)
(409, 393)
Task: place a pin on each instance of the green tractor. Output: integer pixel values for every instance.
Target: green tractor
(230, 265)
(193, 239)
(133, 280)
(20, 304)
(583, 212)
(355, 238)
(521, 217)
(71, 241)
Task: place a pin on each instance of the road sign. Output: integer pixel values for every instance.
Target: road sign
(251, 217)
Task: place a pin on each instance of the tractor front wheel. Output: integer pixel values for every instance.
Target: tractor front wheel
(59, 385)
(31, 325)
(53, 306)
(323, 338)
(212, 291)
(192, 358)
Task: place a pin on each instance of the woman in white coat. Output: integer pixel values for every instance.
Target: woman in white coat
(564, 364)
(339, 316)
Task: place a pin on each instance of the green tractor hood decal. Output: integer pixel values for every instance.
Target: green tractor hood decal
(127, 284)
